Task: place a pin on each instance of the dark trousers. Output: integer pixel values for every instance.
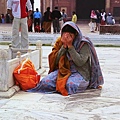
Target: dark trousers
(36, 20)
(56, 26)
(30, 29)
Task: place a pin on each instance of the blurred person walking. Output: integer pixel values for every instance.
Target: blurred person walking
(92, 23)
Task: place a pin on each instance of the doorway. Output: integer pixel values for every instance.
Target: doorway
(84, 7)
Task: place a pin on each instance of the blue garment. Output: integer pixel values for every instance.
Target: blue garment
(37, 15)
(75, 83)
(109, 20)
(3, 21)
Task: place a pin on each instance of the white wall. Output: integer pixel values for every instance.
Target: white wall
(37, 4)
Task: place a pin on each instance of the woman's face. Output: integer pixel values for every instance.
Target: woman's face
(68, 35)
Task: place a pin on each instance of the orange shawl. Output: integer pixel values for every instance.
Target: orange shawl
(63, 68)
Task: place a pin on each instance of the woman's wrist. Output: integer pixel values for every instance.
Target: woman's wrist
(70, 46)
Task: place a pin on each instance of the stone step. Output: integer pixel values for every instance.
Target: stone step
(47, 38)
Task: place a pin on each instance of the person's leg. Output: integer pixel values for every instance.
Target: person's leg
(47, 84)
(15, 33)
(76, 83)
(24, 34)
(91, 26)
(38, 21)
(35, 23)
(54, 26)
(94, 26)
(31, 26)
(58, 25)
(98, 25)
(48, 27)
(3, 20)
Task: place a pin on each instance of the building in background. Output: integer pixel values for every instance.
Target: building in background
(68, 5)
(37, 5)
(81, 7)
(113, 6)
(3, 7)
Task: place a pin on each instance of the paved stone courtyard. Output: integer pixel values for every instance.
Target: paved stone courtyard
(91, 105)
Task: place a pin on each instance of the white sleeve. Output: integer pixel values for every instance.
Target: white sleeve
(9, 4)
(29, 5)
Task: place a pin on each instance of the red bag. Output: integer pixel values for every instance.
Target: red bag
(25, 75)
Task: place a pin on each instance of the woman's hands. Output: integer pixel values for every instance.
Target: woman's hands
(67, 39)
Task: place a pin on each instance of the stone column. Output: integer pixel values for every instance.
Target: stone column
(47, 3)
(107, 6)
(3, 70)
(51, 4)
(44, 6)
(39, 47)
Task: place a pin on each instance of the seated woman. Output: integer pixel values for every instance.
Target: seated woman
(73, 63)
(110, 20)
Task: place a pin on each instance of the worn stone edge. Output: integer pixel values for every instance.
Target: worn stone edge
(10, 92)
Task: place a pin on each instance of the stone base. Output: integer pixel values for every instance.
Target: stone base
(10, 92)
(14, 89)
(111, 29)
(14, 52)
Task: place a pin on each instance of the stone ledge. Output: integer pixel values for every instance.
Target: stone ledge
(10, 92)
(109, 29)
(41, 71)
(14, 89)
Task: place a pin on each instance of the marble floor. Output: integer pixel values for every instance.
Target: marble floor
(91, 105)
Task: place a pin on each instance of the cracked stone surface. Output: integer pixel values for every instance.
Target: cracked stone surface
(91, 105)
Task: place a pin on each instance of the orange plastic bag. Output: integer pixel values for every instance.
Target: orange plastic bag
(25, 75)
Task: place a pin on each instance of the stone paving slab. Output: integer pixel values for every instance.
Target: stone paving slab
(91, 105)
(55, 106)
(50, 38)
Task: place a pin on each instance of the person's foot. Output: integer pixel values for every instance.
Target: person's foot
(99, 87)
